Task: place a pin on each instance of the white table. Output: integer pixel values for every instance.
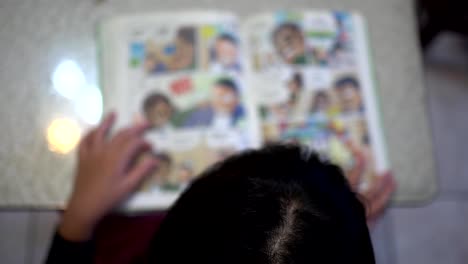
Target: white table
(36, 36)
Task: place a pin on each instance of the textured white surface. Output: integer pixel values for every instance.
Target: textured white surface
(36, 35)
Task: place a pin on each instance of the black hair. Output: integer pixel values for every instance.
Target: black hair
(229, 84)
(227, 37)
(346, 81)
(287, 25)
(275, 205)
(187, 34)
(155, 98)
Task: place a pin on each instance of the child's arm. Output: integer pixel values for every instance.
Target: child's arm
(105, 176)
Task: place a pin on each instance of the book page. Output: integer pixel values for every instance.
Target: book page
(184, 74)
(311, 77)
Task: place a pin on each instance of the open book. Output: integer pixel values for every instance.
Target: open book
(211, 86)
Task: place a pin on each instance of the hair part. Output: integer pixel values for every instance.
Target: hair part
(270, 206)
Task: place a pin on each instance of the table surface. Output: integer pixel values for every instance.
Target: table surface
(37, 35)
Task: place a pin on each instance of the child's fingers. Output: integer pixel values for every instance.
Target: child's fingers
(127, 134)
(138, 173)
(104, 128)
(377, 183)
(370, 193)
(132, 149)
(354, 176)
(86, 141)
(380, 202)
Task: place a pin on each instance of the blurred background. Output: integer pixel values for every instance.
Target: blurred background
(421, 55)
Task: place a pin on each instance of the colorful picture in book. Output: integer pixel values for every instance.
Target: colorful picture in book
(295, 38)
(210, 47)
(163, 49)
(330, 119)
(177, 169)
(197, 101)
(221, 52)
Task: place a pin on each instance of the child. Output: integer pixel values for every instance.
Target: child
(158, 110)
(289, 43)
(225, 54)
(275, 205)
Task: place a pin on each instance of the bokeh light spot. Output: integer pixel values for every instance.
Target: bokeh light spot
(63, 135)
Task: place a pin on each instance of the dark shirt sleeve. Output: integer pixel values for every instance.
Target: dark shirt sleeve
(64, 251)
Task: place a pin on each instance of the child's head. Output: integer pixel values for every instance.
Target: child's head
(184, 56)
(274, 205)
(225, 50)
(296, 83)
(225, 97)
(349, 95)
(289, 42)
(158, 109)
(321, 102)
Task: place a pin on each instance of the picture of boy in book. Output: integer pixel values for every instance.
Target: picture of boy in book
(184, 55)
(224, 110)
(174, 56)
(349, 96)
(289, 42)
(160, 177)
(158, 110)
(225, 54)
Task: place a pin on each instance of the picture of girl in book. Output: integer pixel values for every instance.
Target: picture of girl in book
(176, 55)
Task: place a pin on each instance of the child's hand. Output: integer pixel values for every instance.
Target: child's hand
(379, 192)
(105, 176)
(377, 196)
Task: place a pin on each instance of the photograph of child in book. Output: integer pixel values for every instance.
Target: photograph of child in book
(321, 39)
(295, 102)
(332, 122)
(163, 50)
(221, 109)
(225, 54)
(177, 169)
(173, 174)
(195, 120)
(219, 48)
(224, 111)
(348, 93)
(158, 110)
(213, 48)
